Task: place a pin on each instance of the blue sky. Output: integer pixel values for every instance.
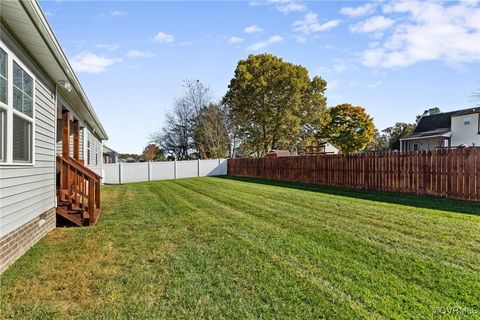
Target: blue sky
(393, 58)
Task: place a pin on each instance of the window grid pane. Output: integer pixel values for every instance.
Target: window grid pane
(22, 140)
(22, 91)
(3, 76)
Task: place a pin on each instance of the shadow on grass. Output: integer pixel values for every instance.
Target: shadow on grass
(427, 202)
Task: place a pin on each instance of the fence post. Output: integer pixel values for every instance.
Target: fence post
(120, 171)
(149, 170)
(198, 167)
(175, 168)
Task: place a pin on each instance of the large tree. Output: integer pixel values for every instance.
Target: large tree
(270, 102)
(211, 133)
(379, 142)
(177, 137)
(393, 134)
(349, 128)
(152, 152)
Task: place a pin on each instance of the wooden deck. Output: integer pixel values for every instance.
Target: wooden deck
(78, 187)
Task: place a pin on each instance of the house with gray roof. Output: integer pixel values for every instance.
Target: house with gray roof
(445, 130)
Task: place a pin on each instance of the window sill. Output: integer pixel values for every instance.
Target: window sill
(15, 164)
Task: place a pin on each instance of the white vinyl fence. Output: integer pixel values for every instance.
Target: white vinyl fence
(118, 173)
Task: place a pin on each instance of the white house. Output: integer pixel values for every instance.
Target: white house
(109, 155)
(448, 129)
(50, 137)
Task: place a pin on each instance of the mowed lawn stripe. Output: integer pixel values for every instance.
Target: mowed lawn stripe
(221, 216)
(185, 201)
(378, 288)
(414, 273)
(263, 236)
(402, 237)
(462, 243)
(224, 248)
(454, 248)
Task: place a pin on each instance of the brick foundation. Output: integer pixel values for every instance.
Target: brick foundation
(17, 242)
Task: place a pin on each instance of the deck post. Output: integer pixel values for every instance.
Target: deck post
(66, 134)
(76, 140)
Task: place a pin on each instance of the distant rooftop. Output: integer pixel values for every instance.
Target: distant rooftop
(441, 120)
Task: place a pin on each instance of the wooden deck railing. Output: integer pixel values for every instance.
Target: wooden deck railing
(80, 187)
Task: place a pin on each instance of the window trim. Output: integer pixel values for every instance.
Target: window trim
(467, 119)
(10, 110)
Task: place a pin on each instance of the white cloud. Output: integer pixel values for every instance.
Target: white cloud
(374, 24)
(111, 47)
(430, 31)
(163, 37)
(234, 40)
(91, 63)
(252, 29)
(187, 43)
(264, 44)
(358, 11)
(139, 54)
(284, 6)
(49, 13)
(311, 24)
(117, 13)
(291, 7)
(337, 65)
(376, 84)
(301, 39)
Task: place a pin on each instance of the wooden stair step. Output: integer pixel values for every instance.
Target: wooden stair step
(67, 214)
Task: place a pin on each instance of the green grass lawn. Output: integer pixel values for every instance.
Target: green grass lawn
(225, 248)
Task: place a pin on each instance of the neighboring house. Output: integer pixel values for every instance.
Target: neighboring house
(445, 130)
(323, 147)
(276, 153)
(50, 137)
(109, 155)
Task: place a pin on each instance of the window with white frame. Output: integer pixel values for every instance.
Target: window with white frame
(88, 151)
(467, 121)
(16, 110)
(3, 103)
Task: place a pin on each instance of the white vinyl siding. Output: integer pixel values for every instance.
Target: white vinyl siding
(28, 191)
(93, 152)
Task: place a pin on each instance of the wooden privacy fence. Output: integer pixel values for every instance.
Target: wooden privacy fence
(448, 173)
